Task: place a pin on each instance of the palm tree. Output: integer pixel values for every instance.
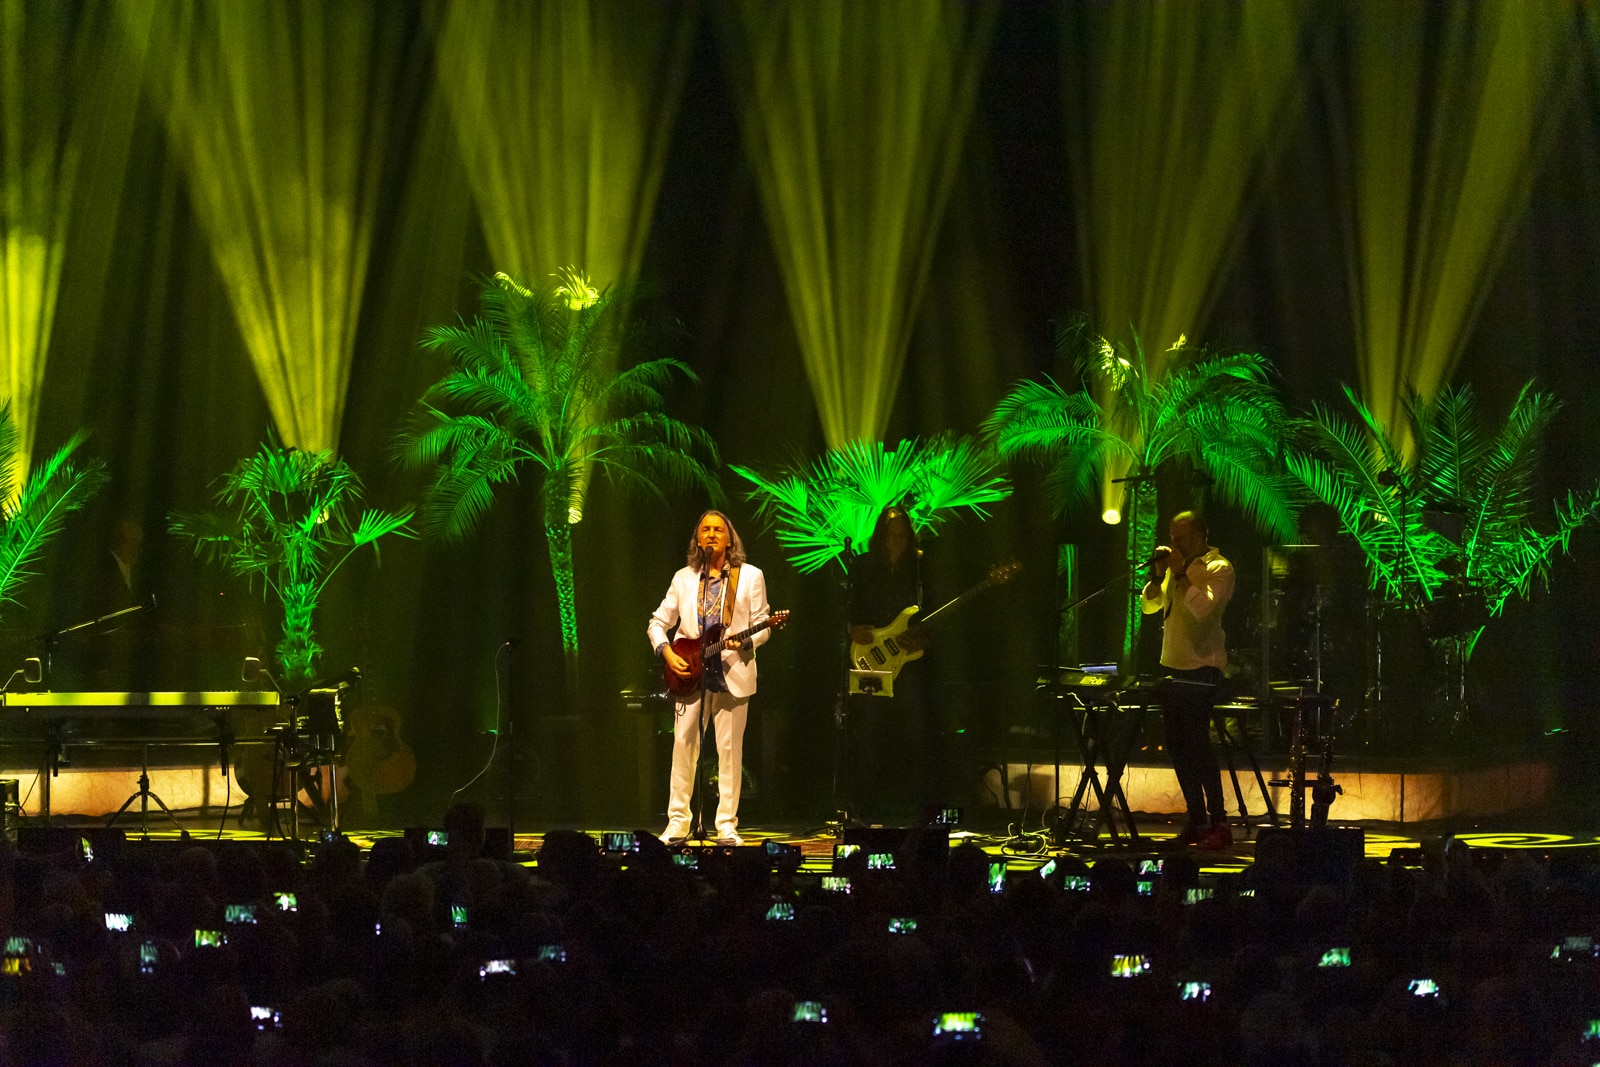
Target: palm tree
(1217, 414)
(532, 383)
(1476, 484)
(33, 510)
(837, 501)
(284, 517)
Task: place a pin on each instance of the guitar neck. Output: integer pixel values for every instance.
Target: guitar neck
(743, 635)
(947, 605)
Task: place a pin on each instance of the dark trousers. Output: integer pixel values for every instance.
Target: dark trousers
(1186, 717)
(895, 760)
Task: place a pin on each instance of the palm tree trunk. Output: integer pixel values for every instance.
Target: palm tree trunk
(298, 650)
(559, 535)
(1141, 543)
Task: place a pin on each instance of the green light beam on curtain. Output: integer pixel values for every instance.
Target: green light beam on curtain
(854, 116)
(279, 112)
(1437, 135)
(1168, 117)
(68, 87)
(563, 113)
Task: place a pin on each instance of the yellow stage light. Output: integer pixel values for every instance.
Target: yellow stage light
(1437, 139)
(280, 114)
(69, 81)
(1169, 119)
(1111, 516)
(563, 112)
(854, 115)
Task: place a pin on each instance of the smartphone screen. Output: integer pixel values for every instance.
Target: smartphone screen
(619, 841)
(119, 922)
(781, 910)
(957, 1026)
(492, 967)
(835, 883)
(1130, 965)
(1335, 957)
(997, 877)
(809, 1011)
(902, 926)
(239, 913)
(286, 901)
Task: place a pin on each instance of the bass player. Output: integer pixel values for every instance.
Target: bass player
(716, 588)
(884, 581)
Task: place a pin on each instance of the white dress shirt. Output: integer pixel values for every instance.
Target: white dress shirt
(1192, 634)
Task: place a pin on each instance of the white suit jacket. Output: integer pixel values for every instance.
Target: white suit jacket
(680, 608)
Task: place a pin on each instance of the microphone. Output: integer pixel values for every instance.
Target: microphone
(1161, 553)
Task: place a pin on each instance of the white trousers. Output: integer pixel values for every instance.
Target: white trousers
(728, 716)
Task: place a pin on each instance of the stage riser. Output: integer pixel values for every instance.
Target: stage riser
(1383, 797)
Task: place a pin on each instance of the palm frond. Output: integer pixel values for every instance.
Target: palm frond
(839, 498)
(53, 490)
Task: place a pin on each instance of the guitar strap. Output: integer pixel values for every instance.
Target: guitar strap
(729, 592)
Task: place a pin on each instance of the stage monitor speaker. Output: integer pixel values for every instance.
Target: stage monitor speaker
(1322, 857)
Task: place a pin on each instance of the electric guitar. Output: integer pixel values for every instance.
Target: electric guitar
(885, 654)
(694, 651)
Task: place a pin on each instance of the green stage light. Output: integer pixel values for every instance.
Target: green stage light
(280, 112)
(854, 115)
(1438, 130)
(817, 511)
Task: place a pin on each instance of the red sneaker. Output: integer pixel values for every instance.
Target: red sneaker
(1218, 836)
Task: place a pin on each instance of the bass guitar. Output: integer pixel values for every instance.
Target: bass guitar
(885, 654)
(700, 653)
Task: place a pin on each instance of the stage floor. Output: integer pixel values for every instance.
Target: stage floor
(1543, 834)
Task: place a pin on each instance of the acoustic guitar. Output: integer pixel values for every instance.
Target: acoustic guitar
(701, 653)
(884, 655)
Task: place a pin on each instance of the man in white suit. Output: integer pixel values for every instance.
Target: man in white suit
(716, 588)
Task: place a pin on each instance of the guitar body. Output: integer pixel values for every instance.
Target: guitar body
(703, 654)
(885, 654)
(685, 687)
(377, 758)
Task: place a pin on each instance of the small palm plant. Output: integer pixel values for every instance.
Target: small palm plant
(34, 508)
(289, 519)
(1477, 479)
(533, 384)
(837, 501)
(1217, 414)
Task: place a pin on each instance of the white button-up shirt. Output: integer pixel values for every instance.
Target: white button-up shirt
(1192, 634)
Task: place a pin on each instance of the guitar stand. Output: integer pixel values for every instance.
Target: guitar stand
(144, 796)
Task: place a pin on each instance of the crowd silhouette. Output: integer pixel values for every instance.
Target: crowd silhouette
(443, 956)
